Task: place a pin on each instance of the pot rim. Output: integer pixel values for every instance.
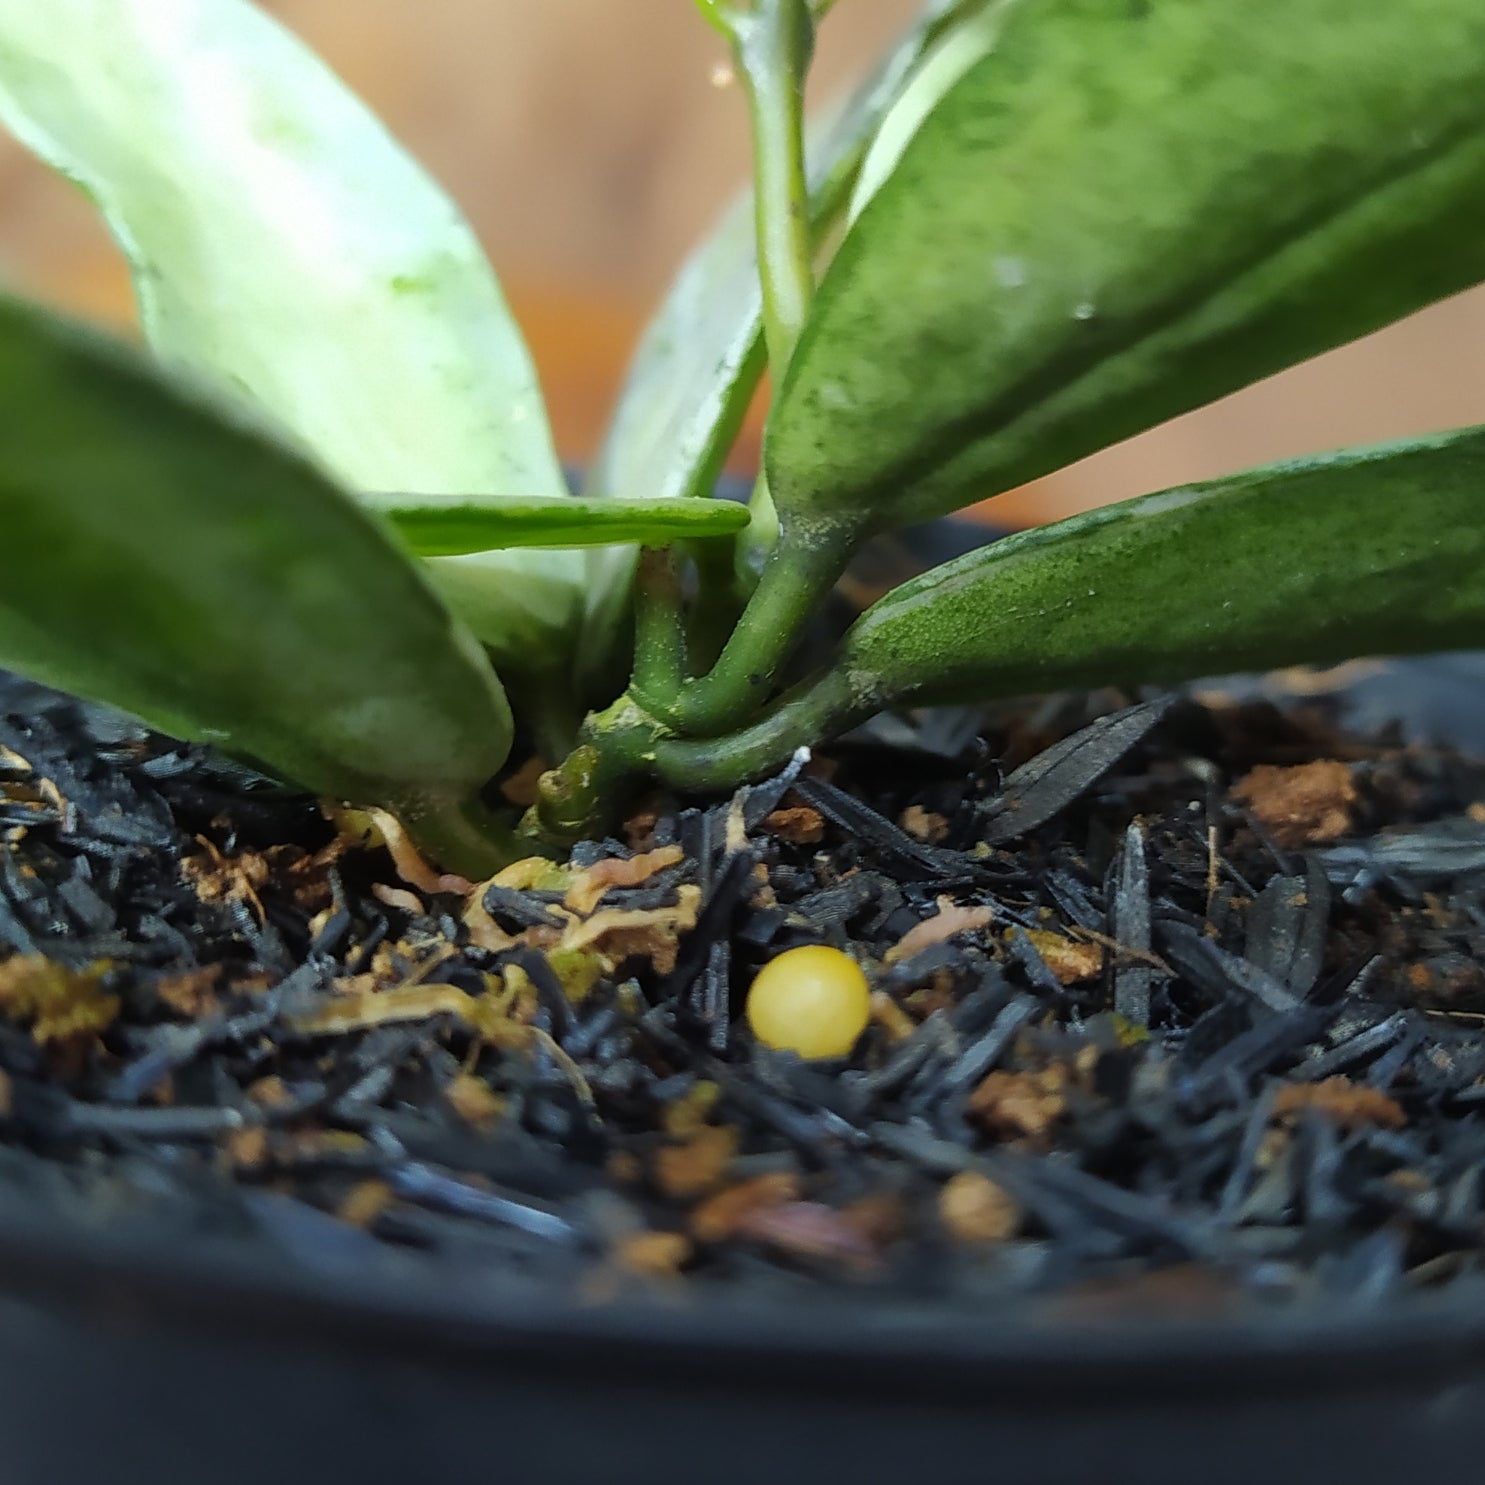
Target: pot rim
(857, 1343)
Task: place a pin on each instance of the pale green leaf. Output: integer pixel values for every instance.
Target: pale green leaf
(285, 248)
(689, 383)
(942, 65)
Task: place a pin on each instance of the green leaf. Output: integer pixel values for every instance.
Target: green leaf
(441, 530)
(1368, 552)
(164, 559)
(1126, 209)
(286, 249)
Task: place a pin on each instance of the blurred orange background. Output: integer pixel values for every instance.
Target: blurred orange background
(591, 141)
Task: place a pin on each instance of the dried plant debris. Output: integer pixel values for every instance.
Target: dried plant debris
(1191, 989)
(1300, 805)
(56, 1002)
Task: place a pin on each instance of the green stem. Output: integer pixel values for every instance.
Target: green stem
(794, 582)
(580, 797)
(815, 711)
(623, 746)
(772, 45)
(659, 640)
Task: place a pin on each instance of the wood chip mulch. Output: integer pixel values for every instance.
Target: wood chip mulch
(1163, 987)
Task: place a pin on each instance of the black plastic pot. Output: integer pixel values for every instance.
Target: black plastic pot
(142, 1364)
(129, 1355)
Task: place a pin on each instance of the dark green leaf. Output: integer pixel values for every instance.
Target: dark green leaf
(1125, 209)
(1373, 551)
(439, 529)
(188, 570)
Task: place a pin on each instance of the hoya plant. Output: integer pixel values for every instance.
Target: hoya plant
(320, 522)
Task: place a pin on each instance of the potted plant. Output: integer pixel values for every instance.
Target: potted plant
(320, 527)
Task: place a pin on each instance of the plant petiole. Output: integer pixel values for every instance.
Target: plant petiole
(624, 745)
(816, 710)
(772, 44)
(795, 579)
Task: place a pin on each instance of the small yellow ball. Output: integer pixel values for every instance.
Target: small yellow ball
(814, 1001)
